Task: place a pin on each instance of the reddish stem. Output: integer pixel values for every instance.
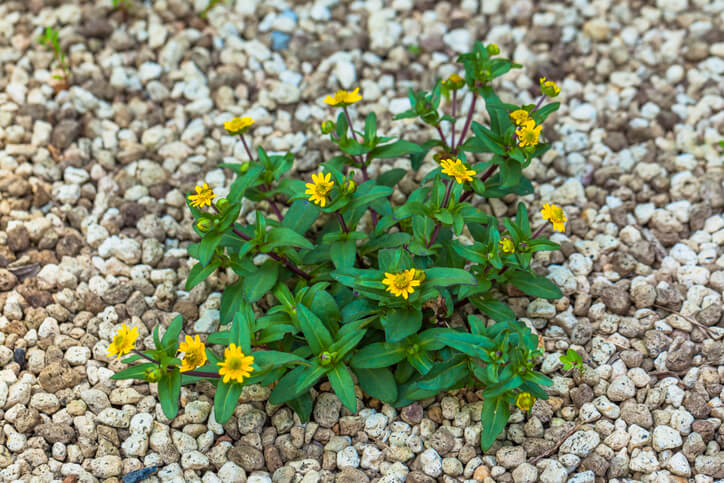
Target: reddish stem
(452, 127)
(468, 121)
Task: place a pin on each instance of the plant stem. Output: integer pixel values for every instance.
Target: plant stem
(468, 121)
(349, 122)
(452, 127)
(139, 353)
(342, 224)
(442, 136)
(246, 147)
(446, 200)
(487, 174)
(276, 257)
(273, 204)
(366, 177)
(540, 101)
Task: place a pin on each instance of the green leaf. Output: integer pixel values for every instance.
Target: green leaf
(343, 386)
(362, 198)
(387, 240)
(391, 177)
(286, 388)
(421, 361)
(505, 386)
(286, 237)
(260, 282)
(231, 299)
(378, 354)
(495, 309)
(300, 216)
(169, 389)
(240, 333)
(225, 400)
(401, 323)
(445, 277)
(470, 344)
(379, 383)
(488, 140)
(302, 405)
(170, 337)
(343, 253)
(207, 247)
(315, 332)
(395, 150)
(133, 372)
(494, 416)
(534, 285)
(370, 128)
(199, 273)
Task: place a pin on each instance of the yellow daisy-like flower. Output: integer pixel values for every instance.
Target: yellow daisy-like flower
(403, 283)
(555, 215)
(343, 98)
(194, 353)
(528, 133)
(549, 88)
(525, 401)
(319, 188)
(519, 116)
(456, 169)
(124, 342)
(203, 196)
(238, 125)
(507, 245)
(236, 366)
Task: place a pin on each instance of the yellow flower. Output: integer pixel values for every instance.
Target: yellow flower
(238, 125)
(456, 169)
(525, 401)
(555, 215)
(549, 88)
(194, 353)
(343, 98)
(319, 188)
(519, 116)
(507, 245)
(403, 283)
(528, 133)
(236, 365)
(203, 196)
(124, 342)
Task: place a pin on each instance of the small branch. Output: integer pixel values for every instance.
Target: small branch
(202, 374)
(558, 445)
(442, 136)
(349, 122)
(468, 121)
(452, 123)
(689, 319)
(139, 353)
(246, 147)
(342, 224)
(276, 257)
(446, 200)
(537, 106)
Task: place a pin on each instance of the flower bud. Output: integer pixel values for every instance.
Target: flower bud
(454, 82)
(325, 358)
(245, 167)
(525, 401)
(223, 204)
(327, 127)
(350, 186)
(152, 374)
(493, 49)
(204, 225)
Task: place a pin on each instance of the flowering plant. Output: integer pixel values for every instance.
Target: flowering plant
(340, 282)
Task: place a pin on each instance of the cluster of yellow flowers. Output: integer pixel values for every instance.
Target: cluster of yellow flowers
(527, 132)
(235, 367)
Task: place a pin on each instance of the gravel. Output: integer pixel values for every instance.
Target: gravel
(94, 230)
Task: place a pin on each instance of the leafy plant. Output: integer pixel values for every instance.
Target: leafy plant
(572, 359)
(341, 283)
(205, 12)
(50, 40)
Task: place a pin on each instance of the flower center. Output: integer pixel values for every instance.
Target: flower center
(322, 189)
(234, 364)
(558, 214)
(401, 281)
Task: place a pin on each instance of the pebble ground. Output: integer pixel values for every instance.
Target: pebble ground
(93, 231)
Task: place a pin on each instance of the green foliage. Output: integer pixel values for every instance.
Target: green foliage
(49, 38)
(572, 359)
(363, 289)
